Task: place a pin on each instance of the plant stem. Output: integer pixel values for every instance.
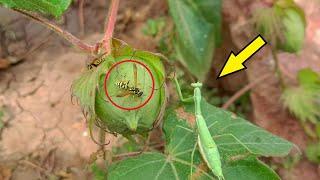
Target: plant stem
(102, 141)
(245, 89)
(119, 156)
(277, 69)
(81, 17)
(92, 49)
(110, 24)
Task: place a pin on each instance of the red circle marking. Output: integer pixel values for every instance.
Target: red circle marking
(108, 76)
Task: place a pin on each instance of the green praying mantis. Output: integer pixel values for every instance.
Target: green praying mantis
(207, 147)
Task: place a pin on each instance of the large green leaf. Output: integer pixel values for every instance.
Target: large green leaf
(197, 24)
(255, 139)
(210, 10)
(174, 164)
(238, 141)
(249, 170)
(51, 7)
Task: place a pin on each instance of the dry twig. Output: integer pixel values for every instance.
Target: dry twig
(242, 91)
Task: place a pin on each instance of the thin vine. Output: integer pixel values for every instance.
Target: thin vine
(83, 46)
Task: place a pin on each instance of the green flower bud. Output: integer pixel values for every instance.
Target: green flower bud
(125, 91)
(135, 97)
(293, 32)
(283, 25)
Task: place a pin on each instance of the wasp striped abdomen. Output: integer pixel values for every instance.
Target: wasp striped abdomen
(136, 91)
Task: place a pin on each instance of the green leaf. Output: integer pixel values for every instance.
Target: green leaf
(195, 40)
(211, 12)
(171, 121)
(126, 147)
(294, 32)
(304, 101)
(232, 136)
(313, 152)
(174, 164)
(249, 170)
(255, 139)
(308, 77)
(48, 7)
(99, 174)
(84, 88)
(154, 26)
(146, 166)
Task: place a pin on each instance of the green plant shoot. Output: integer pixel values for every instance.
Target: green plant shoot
(208, 148)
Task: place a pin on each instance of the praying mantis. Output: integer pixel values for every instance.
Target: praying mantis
(207, 147)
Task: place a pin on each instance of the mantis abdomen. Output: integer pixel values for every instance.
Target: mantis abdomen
(208, 148)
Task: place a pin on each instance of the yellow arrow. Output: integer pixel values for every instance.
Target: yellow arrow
(235, 62)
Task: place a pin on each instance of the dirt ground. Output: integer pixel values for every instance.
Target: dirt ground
(45, 134)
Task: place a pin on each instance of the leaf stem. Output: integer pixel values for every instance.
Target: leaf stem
(129, 154)
(110, 24)
(65, 34)
(102, 141)
(92, 49)
(277, 68)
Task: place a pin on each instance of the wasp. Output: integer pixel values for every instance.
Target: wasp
(128, 90)
(96, 62)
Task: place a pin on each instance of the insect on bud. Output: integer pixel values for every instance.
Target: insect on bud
(131, 96)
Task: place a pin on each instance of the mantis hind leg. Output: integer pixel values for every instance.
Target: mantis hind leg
(192, 156)
(194, 150)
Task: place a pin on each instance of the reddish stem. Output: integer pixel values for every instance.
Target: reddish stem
(92, 49)
(81, 16)
(68, 36)
(110, 24)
